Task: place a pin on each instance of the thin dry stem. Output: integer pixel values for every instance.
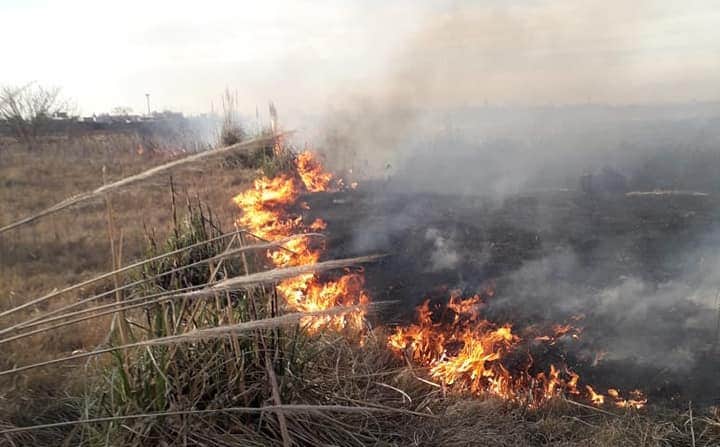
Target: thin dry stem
(199, 334)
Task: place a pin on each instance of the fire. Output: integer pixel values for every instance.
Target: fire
(636, 400)
(267, 213)
(468, 353)
(597, 399)
(312, 174)
(305, 294)
(460, 349)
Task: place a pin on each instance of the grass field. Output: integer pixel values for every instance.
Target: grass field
(367, 395)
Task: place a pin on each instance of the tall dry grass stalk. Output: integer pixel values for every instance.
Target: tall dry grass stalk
(110, 274)
(116, 261)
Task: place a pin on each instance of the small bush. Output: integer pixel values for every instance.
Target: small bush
(231, 131)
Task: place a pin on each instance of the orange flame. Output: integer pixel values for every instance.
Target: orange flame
(596, 398)
(312, 174)
(266, 212)
(636, 400)
(467, 353)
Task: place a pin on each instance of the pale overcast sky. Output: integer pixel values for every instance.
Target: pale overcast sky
(305, 55)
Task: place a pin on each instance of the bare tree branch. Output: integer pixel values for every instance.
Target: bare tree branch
(28, 110)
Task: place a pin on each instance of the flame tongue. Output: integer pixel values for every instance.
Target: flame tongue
(311, 172)
(266, 213)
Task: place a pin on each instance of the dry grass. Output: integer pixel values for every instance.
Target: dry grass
(228, 368)
(73, 245)
(338, 393)
(255, 144)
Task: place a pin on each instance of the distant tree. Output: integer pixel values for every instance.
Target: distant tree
(28, 110)
(121, 111)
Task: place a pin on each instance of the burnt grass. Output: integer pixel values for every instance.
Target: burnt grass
(439, 242)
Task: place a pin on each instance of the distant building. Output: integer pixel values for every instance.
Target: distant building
(61, 116)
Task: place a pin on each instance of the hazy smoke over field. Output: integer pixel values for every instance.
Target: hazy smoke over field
(507, 102)
(461, 99)
(667, 324)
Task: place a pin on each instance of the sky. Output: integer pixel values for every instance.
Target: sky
(310, 55)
